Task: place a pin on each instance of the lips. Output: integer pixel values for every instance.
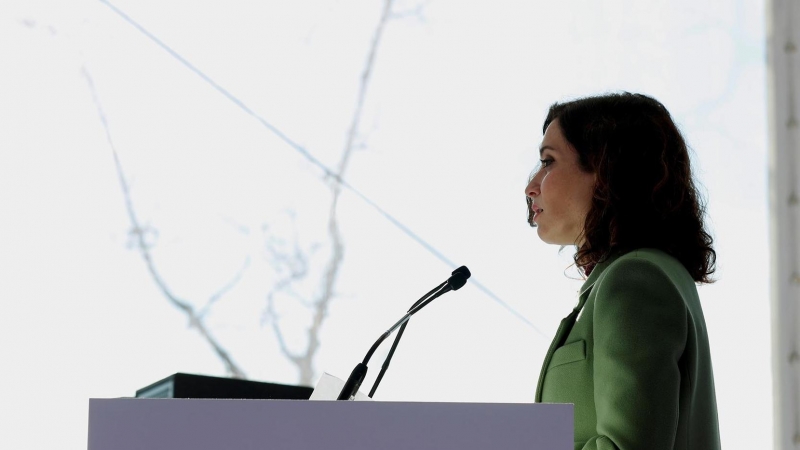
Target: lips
(536, 210)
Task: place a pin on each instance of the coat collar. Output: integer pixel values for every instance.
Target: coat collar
(595, 275)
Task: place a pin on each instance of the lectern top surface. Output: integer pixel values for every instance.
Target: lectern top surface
(201, 424)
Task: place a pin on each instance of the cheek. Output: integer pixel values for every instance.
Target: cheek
(570, 198)
(543, 181)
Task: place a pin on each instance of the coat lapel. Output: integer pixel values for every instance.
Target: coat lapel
(568, 322)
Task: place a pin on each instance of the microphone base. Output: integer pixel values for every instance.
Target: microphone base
(353, 382)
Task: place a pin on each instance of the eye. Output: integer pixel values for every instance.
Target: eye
(546, 162)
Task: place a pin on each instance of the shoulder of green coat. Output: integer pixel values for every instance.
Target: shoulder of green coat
(651, 261)
(644, 273)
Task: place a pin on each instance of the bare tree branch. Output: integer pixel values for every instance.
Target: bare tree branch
(139, 234)
(224, 289)
(304, 362)
(274, 322)
(337, 247)
(418, 12)
(294, 264)
(241, 228)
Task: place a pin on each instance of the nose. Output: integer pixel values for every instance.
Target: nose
(532, 189)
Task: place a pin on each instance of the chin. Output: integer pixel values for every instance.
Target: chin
(544, 237)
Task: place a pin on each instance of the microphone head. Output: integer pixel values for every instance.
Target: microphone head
(459, 278)
(464, 270)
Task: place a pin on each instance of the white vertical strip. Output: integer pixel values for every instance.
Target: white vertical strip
(782, 28)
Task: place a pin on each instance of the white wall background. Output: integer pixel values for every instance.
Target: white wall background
(449, 133)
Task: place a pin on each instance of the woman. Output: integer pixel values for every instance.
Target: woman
(633, 356)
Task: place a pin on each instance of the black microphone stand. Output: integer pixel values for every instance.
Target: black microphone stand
(455, 282)
(463, 270)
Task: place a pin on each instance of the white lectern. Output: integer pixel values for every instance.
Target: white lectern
(195, 424)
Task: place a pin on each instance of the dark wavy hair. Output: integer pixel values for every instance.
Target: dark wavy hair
(644, 195)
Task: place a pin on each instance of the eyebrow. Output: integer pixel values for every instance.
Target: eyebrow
(546, 147)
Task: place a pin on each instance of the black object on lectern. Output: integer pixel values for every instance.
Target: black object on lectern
(184, 385)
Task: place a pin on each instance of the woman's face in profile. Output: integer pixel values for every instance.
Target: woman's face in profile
(560, 192)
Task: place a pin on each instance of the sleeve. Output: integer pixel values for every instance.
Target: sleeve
(640, 331)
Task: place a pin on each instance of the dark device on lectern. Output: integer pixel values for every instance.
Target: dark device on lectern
(184, 385)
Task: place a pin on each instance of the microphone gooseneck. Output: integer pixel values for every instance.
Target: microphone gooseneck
(456, 280)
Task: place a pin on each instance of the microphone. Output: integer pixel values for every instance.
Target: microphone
(456, 280)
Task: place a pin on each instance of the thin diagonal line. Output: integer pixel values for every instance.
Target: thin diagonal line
(444, 259)
(226, 93)
(306, 154)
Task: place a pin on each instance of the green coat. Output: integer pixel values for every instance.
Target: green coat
(636, 363)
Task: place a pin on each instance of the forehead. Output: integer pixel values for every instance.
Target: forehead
(553, 139)
(553, 132)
